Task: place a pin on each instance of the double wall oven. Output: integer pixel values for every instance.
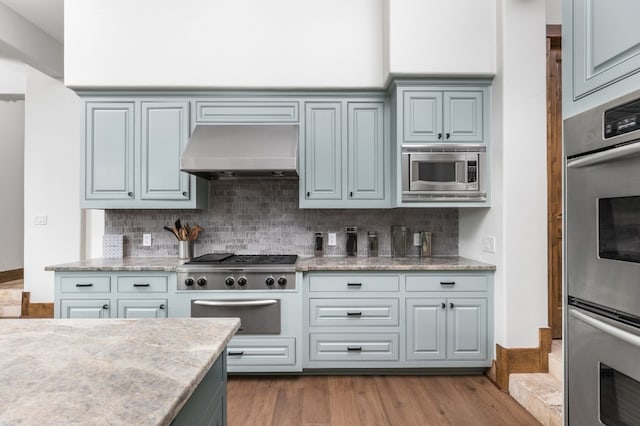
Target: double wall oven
(262, 291)
(602, 353)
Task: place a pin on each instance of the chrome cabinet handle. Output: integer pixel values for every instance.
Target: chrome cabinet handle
(266, 302)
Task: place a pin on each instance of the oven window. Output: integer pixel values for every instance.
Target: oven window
(619, 228)
(619, 396)
(437, 171)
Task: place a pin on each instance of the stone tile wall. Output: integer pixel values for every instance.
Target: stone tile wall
(262, 217)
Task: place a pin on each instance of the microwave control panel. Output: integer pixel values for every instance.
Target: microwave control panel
(472, 171)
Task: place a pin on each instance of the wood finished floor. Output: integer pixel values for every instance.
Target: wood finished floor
(370, 400)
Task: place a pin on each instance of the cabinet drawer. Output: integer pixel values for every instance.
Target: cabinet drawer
(353, 347)
(142, 284)
(246, 112)
(353, 312)
(354, 283)
(447, 283)
(86, 284)
(264, 351)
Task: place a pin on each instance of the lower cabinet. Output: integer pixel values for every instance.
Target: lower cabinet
(97, 308)
(247, 352)
(354, 347)
(142, 308)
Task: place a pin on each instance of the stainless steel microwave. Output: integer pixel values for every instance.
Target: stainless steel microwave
(443, 175)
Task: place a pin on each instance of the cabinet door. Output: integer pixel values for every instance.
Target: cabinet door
(142, 308)
(422, 116)
(606, 43)
(164, 134)
(109, 150)
(98, 308)
(323, 151)
(463, 116)
(365, 151)
(426, 326)
(467, 328)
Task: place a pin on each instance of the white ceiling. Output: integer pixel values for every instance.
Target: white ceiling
(48, 15)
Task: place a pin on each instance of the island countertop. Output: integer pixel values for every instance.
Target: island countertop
(105, 371)
(435, 263)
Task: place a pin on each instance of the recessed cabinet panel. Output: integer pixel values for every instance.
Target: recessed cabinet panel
(249, 111)
(109, 150)
(426, 329)
(165, 131)
(95, 308)
(323, 143)
(467, 329)
(422, 116)
(142, 308)
(606, 43)
(463, 117)
(366, 151)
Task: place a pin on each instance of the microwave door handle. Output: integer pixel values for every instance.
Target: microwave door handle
(604, 156)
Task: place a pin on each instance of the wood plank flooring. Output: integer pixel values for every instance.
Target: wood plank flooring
(370, 400)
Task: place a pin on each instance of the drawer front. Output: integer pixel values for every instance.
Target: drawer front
(353, 347)
(354, 283)
(447, 283)
(353, 312)
(265, 351)
(142, 284)
(246, 112)
(86, 284)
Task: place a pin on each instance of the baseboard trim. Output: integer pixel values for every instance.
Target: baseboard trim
(39, 310)
(520, 360)
(11, 275)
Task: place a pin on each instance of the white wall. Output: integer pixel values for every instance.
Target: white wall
(12, 79)
(52, 151)
(223, 43)
(11, 184)
(554, 12)
(442, 37)
(518, 215)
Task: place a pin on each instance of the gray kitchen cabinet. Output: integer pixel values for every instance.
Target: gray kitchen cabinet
(345, 155)
(446, 328)
(122, 294)
(258, 352)
(434, 116)
(131, 155)
(605, 42)
(354, 348)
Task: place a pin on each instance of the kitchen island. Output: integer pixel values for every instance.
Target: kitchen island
(110, 371)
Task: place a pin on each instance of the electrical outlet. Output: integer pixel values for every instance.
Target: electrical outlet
(489, 244)
(146, 240)
(416, 239)
(40, 220)
(332, 239)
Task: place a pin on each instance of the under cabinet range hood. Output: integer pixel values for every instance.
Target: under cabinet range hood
(241, 150)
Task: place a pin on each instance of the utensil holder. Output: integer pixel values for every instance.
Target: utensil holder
(185, 249)
(398, 241)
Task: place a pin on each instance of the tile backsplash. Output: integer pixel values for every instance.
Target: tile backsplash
(262, 217)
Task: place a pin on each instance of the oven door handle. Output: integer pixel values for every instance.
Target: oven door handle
(265, 302)
(606, 328)
(604, 156)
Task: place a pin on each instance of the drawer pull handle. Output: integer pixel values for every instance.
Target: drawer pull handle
(105, 306)
(354, 314)
(162, 307)
(354, 284)
(84, 285)
(240, 353)
(142, 285)
(447, 283)
(354, 348)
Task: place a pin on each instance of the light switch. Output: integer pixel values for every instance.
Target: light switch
(416, 239)
(40, 220)
(146, 240)
(332, 239)
(489, 244)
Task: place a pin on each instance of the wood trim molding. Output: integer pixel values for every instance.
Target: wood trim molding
(40, 310)
(520, 360)
(11, 275)
(554, 31)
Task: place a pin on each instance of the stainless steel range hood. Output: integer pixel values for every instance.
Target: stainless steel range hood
(239, 150)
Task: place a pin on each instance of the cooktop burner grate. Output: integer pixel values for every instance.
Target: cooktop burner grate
(228, 258)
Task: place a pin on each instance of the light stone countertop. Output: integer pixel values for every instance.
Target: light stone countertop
(105, 371)
(435, 263)
(166, 264)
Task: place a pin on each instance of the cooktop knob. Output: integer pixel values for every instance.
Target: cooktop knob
(189, 282)
(269, 281)
(242, 281)
(202, 281)
(229, 281)
(282, 281)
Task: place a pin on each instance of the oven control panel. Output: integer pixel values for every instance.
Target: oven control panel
(236, 280)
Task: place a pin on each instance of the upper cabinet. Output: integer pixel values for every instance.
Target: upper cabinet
(132, 154)
(432, 116)
(345, 158)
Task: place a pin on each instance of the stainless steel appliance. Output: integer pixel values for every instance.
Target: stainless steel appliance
(435, 173)
(257, 278)
(602, 147)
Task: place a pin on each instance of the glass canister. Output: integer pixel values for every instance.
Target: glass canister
(398, 241)
(373, 243)
(318, 244)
